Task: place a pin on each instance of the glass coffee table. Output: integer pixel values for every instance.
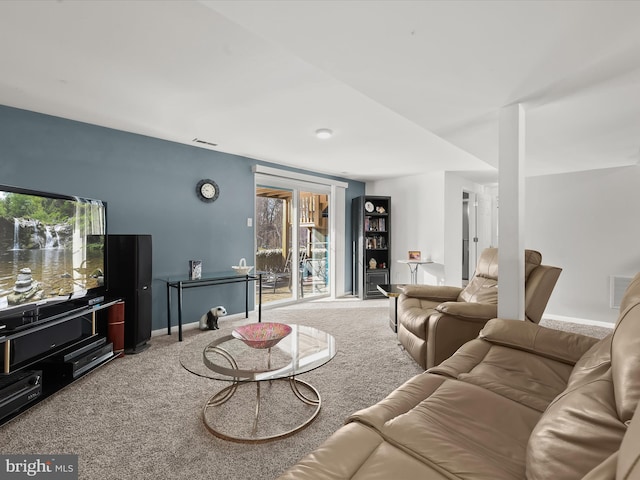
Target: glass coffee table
(236, 414)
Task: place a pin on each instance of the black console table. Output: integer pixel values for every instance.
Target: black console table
(182, 282)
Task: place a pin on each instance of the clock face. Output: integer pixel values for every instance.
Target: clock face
(368, 206)
(207, 190)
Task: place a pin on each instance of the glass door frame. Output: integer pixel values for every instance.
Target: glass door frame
(296, 187)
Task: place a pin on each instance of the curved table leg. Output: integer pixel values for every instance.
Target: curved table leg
(226, 393)
(293, 382)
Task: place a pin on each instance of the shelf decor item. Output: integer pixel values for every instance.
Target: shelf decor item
(195, 269)
(242, 268)
(261, 335)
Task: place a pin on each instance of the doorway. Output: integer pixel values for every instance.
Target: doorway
(292, 241)
(465, 238)
(476, 229)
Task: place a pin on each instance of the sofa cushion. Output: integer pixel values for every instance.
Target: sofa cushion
(625, 356)
(480, 290)
(581, 428)
(459, 428)
(628, 465)
(483, 287)
(632, 294)
(469, 310)
(415, 313)
(501, 360)
(533, 381)
(562, 346)
(464, 360)
(585, 425)
(357, 452)
(598, 356)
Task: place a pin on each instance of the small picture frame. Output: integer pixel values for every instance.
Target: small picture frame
(195, 269)
(414, 255)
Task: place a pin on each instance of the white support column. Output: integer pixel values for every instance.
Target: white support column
(511, 212)
(337, 258)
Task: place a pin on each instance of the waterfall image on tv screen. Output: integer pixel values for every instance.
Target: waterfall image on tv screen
(51, 247)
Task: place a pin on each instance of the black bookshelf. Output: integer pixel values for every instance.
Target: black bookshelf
(371, 222)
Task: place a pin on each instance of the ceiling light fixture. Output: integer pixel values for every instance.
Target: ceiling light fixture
(324, 133)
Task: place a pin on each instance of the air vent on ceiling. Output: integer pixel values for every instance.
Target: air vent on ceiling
(211, 144)
(617, 286)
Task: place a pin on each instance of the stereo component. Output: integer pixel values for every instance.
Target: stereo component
(19, 389)
(58, 370)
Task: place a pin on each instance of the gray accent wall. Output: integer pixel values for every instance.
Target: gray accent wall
(149, 186)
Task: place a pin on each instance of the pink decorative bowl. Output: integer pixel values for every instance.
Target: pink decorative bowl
(261, 335)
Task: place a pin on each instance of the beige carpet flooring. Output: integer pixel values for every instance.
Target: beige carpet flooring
(139, 417)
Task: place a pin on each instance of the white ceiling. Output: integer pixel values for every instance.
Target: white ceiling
(407, 86)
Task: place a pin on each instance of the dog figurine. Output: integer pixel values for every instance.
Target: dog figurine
(209, 321)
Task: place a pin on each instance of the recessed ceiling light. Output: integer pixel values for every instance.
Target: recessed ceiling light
(324, 133)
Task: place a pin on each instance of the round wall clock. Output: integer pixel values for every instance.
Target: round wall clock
(207, 190)
(368, 206)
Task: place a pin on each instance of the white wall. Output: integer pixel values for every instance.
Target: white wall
(587, 224)
(427, 216)
(417, 216)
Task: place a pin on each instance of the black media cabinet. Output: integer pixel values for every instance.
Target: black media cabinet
(52, 353)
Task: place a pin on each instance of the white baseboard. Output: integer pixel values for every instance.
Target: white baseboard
(582, 321)
(195, 325)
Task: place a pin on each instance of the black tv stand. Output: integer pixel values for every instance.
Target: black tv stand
(66, 341)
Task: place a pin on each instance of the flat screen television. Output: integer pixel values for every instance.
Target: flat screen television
(52, 249)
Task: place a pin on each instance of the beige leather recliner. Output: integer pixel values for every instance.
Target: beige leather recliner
(434, 321)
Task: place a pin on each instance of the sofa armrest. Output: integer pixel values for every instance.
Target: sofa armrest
(339, 456)
(400, 401)
(466, 358)
(469, 311)
(562, 346)
(447, 333)
(440, 293)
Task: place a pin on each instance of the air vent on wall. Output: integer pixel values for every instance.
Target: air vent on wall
(211, 144)
(617, 286)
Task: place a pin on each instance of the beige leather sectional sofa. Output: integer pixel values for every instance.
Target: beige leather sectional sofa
(519, 402)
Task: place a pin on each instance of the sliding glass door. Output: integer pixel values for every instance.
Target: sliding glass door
(274, 242)
(292, 240)
(313, 242)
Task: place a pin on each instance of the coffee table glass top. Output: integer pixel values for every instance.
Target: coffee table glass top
(221, 356)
